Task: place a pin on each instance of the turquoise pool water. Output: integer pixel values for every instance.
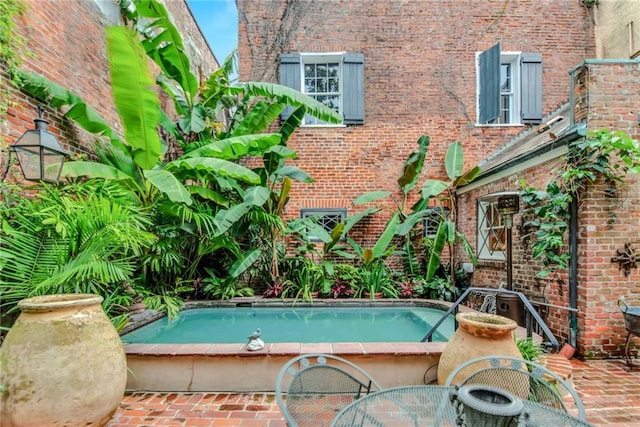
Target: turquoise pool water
(300, 325)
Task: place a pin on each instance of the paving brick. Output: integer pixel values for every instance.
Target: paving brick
(609, 390)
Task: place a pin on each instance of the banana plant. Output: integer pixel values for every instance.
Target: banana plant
(434, 193)
(444, 192)
(203, 197)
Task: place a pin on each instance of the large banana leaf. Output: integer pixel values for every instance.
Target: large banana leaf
(381, 246)
(410, 221)
(410, 261)
(259, 118)
(225, 218)
(246, 261)
(168, 184)
(209, 194)
(294, 172)
(215, 166)
(164, 45)
(353, 219)
(292, 97)
(437, 248)
(283, 196)
(256, 196)
(454, 160)
(433, 187)
(292, 123)
(371, 196)
(134, 97)
(95, 170)
(236, 147)
(467, 177)
(413, 166)
(194, 120)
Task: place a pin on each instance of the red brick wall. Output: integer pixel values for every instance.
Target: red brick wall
(67, 40)
(420, 78)
(609, 98)
(607, 223)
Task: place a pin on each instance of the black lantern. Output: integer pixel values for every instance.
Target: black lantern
(39, 153)
(508, 206)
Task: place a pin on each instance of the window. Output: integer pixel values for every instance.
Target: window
(334, 79)
(509, 87)
(326, 218)
(433, 219)
(491, 231)
(322, 82)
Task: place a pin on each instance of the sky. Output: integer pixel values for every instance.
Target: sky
(218, 20)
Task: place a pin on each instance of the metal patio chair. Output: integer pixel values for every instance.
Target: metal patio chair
(631, 315)
(312, 388)
(524, 379)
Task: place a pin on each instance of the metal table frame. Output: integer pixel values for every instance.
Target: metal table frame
(429, 405)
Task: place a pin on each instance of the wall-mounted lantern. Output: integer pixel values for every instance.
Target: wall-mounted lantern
(40, 155)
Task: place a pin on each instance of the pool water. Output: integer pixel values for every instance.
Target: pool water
(300, 325)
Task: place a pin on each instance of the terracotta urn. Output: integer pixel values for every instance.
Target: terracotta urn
(63, 364)
(478, 334)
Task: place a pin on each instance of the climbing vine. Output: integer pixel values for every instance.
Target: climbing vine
(12, 47)
(605, 154)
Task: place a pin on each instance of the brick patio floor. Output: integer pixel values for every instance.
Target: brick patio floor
(609, 389)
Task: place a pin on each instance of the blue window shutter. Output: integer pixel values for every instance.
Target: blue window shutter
(353, 89)
(289, 76)
(489, 82)
(531, 77)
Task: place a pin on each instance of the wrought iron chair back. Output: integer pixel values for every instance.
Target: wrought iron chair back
(312, 388)
(631, 315)
(524, 379)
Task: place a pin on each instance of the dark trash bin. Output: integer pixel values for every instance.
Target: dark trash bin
(510, 306)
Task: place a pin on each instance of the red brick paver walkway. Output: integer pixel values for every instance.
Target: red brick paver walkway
(609, 389)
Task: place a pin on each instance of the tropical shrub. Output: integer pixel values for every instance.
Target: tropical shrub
(80, 238)
(201, 203)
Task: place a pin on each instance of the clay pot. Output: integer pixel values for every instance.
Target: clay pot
(63, 364)
(478, 334)
(375, 295)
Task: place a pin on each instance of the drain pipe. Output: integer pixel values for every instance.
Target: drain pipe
(573, 270)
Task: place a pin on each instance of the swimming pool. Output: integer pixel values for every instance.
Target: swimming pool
(188, 365)
(330, 324)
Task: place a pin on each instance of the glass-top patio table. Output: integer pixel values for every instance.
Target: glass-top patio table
(430, 405)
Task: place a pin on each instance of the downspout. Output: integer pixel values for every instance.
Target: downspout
(573, 271)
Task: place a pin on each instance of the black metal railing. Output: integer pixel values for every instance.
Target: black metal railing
(531, 315)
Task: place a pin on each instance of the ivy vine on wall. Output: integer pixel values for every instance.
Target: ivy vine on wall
(12, 47)
(609, 155)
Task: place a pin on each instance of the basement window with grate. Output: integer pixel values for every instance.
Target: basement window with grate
(326, 218)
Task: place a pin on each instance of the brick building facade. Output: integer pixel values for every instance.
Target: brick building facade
(66, 39)
(422, 75)
(419, 79)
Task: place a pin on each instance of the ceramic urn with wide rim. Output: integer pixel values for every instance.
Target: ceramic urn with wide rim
(63, 364)
(478, 334)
